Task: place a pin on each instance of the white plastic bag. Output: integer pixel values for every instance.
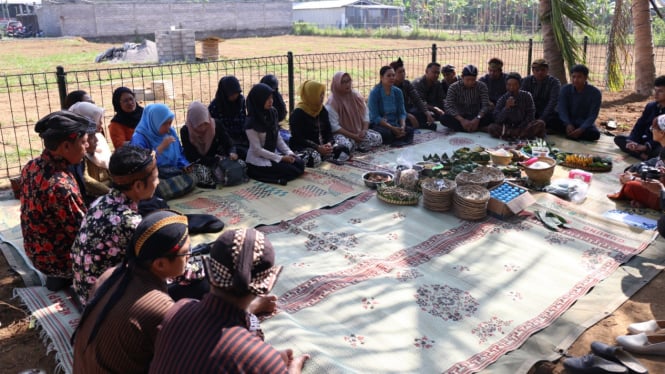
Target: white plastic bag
(573, 190)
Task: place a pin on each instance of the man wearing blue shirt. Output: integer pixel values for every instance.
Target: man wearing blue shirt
(578, 107)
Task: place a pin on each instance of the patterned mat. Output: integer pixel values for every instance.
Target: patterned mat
(371, 287)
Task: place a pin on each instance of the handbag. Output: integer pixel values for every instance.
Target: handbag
(230, 172)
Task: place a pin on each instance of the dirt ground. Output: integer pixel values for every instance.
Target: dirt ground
(22, 349)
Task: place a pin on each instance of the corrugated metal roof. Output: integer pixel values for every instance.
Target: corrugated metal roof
(327, 4)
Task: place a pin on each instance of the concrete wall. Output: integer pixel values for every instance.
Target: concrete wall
(119, 20)
(328, 17)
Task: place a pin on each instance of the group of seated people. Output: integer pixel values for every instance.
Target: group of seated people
(129, 263)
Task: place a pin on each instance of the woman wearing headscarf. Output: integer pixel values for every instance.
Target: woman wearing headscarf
(118, 327)
(217, 334)
(93, 170)
(228, 109)
(177, 177)
(206, 142)
(349, 116)
(127, 116)
(277, 99)
(311, 134)
(269, 159)
(386, 110)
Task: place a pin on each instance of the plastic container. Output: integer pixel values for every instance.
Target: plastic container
(582, 175)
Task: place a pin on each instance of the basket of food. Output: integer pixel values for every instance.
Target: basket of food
(397, 195)
(478, 179)
(501, 157)
(470, 202)
(438, 194)
(585, 162)
(495, 175)
(540, 172)
(373, 178)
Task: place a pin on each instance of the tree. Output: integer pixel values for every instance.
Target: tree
(558, 42)
(617, 54)
(645, 69)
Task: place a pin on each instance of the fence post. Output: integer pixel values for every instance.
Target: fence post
(292, 90)
(530, 56)
(434, 52)
(61, 78)
(585, 45)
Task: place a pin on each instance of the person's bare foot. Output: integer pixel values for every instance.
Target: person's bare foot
(263, 305)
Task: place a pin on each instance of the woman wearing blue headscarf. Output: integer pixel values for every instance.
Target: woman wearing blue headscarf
(176, 176)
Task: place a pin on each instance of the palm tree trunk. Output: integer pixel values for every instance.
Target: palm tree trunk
(551, 49)
(645, 69)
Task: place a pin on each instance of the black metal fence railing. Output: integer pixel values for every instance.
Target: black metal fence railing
(26, 98)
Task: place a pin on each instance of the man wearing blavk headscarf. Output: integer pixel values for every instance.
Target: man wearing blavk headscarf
(217, 335)
(118, 327)
(52, 206)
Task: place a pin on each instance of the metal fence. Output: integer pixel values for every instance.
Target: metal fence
(26, 98)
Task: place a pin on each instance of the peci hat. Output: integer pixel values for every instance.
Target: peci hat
(64, 124)
(470, 70)
(448, 69)
(540, 63)
(660, 120)
(242, 261)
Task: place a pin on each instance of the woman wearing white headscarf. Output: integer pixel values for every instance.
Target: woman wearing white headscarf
(95, 164)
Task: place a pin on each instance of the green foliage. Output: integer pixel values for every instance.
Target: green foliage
(575, 12)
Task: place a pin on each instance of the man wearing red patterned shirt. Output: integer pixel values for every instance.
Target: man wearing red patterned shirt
(52, 207)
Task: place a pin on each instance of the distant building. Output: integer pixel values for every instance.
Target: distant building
(12, 8)
(348, 13)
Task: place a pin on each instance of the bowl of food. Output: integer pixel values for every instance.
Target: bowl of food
(540, 172)
(374, 178)
(501, 157)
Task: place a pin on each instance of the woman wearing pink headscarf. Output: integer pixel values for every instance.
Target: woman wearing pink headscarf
(349, 116)
(206, 141)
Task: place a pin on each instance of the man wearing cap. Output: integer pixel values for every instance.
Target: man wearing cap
(449, 77)
(544, 89)
(52, 207)
(495, 79)
(640, 143)
(430, 89)
(216, 334)
(109, 224)
(579, 105)
(467, 103)
(514, 114)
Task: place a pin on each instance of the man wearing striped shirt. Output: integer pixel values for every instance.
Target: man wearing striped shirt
(467, 104)
(216, 334)
(514, 114)
(495, 79)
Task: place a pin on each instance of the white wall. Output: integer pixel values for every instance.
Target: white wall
(225, 19)
(331, 17)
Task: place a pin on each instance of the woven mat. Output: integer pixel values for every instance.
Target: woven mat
(370, 287)
(57, 316)
(367, 284)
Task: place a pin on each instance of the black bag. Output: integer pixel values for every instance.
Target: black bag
(230, 172)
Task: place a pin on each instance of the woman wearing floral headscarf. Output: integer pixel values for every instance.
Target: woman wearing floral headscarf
(269, 159)
(349, 116)
(177, 177)
(311, 134)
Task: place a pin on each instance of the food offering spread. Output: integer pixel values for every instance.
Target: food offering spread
(584, 161)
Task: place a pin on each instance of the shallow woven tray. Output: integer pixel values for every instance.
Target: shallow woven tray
(466, 178)
(589, 168)
(413, 199)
